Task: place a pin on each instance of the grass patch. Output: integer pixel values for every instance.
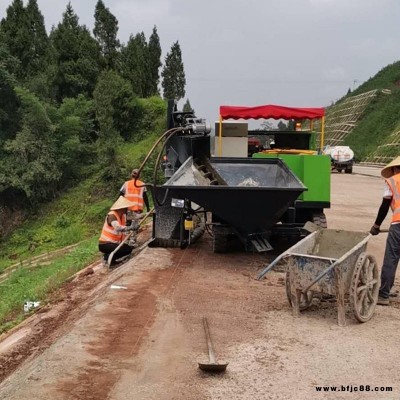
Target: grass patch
(73, 217)
(35, 284)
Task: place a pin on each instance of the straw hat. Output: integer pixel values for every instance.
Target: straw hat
(387, 171)
(122, 202)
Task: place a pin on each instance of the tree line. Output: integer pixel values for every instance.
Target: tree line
(70, 97)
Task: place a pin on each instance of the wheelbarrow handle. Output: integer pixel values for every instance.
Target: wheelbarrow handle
(271, 265)
(283, 255)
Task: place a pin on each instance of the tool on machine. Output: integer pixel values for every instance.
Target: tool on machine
(212, 365)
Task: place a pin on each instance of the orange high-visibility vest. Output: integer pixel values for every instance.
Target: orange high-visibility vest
(109, 234)
(135, 194)
(394, 184)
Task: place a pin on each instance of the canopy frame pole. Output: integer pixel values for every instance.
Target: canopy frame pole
(220, 136)
(322, 137)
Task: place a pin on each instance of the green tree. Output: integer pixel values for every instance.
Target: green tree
(38, 53)
(134, 64)
(267, 126)
(30, 162)
(173, 74)
(77, 57)
(75, 136)
(9, 115)
(25, 36)
(282, 126)
(15, 34)
(154, 63)
(114, 106)
(187, 107)
(105, 31)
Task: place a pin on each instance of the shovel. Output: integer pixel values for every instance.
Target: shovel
(212, 365)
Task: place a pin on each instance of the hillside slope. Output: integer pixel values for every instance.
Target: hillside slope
(72, 221)
(368, 119)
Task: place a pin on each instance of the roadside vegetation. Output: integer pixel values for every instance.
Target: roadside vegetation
(78, 110)
(74, 218)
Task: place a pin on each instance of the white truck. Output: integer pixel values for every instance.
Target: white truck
(342, 158)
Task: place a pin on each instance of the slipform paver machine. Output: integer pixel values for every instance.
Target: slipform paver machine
(240, 200)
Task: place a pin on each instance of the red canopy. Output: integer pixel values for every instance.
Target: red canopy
(270, 111)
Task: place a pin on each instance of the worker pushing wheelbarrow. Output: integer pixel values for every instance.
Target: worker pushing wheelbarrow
(333, 262)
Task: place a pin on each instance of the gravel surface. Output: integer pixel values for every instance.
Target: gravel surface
(144, 339)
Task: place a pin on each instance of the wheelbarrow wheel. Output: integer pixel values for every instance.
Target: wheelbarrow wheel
(305, 299)
(364, 287)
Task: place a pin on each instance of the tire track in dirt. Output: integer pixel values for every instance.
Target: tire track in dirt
(63, 308)
(121, 328)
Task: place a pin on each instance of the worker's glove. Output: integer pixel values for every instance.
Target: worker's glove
(374, 231)
(133, 227)
(139, 215)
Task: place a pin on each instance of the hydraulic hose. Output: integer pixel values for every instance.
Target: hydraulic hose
(166, 135)
(198, 231)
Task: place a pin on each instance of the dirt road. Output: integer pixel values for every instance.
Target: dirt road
(143, 337)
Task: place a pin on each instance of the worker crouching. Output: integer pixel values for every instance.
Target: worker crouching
(115, 231)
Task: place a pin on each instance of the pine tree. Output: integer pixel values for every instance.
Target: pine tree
(77, 57)
(282, 126)
(134, 64)
(173, 74)
(187, 107)
(15, 33)
(105, 31)
(154, 63)
(38, 52)
(113, 102)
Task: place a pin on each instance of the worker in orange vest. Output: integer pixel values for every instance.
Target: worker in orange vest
(135, 191)
(391, 198)
(115, 230)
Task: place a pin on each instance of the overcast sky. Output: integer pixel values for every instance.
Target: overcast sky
(304, 53)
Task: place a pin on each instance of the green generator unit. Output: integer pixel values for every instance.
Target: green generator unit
(314, 170)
